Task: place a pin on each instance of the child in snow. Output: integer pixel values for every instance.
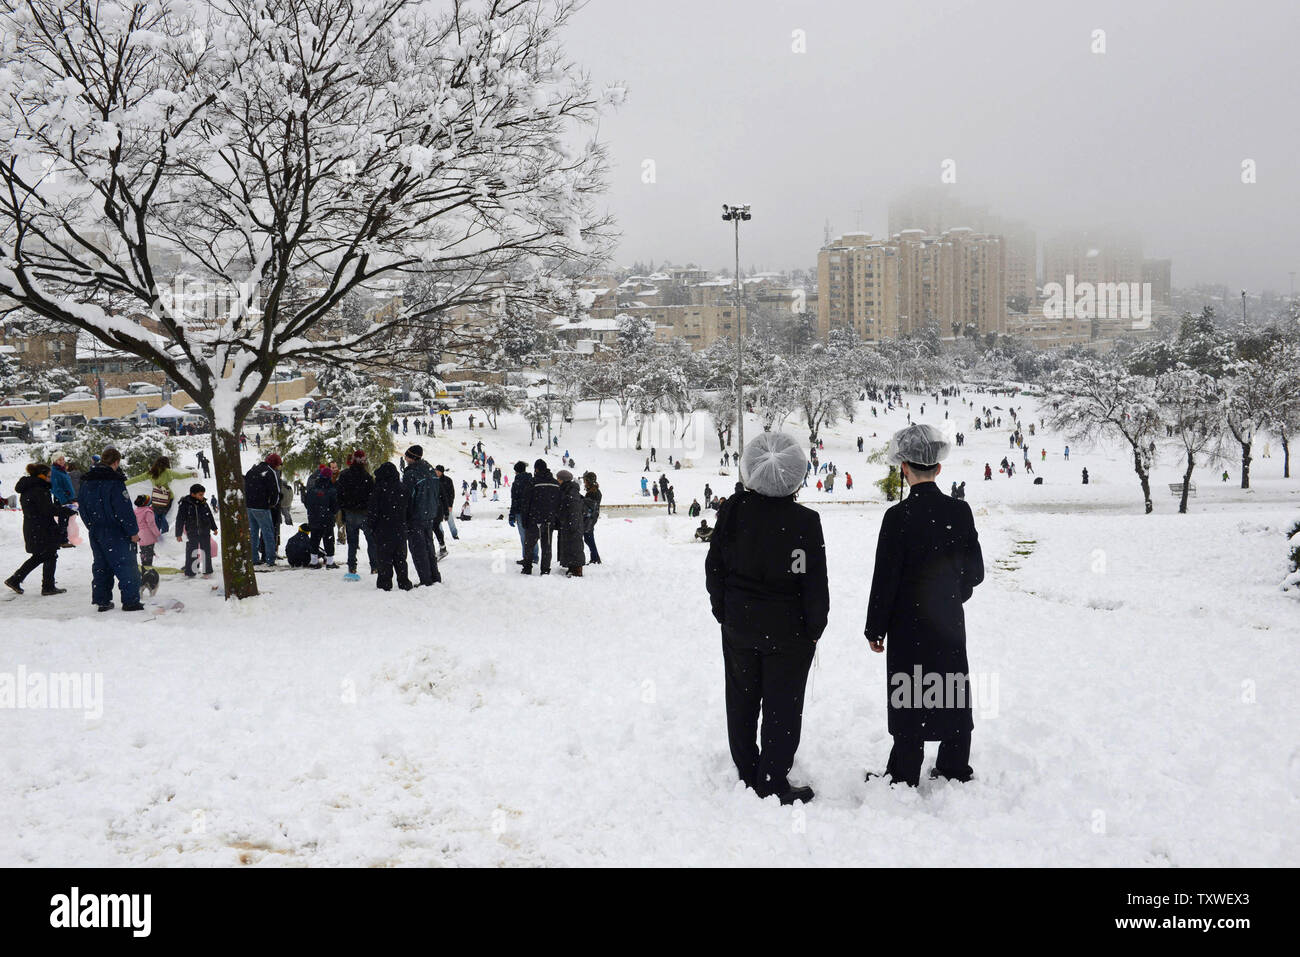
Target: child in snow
(196, 524)
(149, 532)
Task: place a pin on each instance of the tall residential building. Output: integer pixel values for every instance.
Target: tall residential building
(1094, 256)
(936, 210)
(886, 288)
(1159, 272)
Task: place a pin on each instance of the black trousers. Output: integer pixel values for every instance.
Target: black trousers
(540, 534)
(424, 557)
(45, 559)
(390, 556)
(322, 539)
(765, 674)
(193, 546)
(908, 752)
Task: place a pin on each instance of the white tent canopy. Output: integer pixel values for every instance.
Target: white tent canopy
(168, 411)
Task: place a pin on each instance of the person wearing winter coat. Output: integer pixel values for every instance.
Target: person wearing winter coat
(386, 529)
(262, 499)
(196, 524)
(446, 501)
(321, 500)
(161, 475)
(64, 493)
(286, 500)
(591, 513)
(106, 509)
(928, 563)
(41, 533)
(355, 486)
(298, 551)
(569, 510)
(520, 494)
(149, 534)
(423, 506)
(539, 519)
(767, 584)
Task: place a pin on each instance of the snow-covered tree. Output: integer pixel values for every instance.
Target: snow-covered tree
(492, 399)
(1249, 406)
(1192, 404)
(824, 388)
(288, 152)
(1096, 398)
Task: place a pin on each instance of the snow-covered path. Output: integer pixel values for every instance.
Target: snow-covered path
(1144, 714)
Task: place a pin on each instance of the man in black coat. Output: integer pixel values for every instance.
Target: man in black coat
(355, 487)
(386, 521)
(539, 519)
(422, 490)
(262, 499)
(520, 495)
(446, 502)
(928, 562)
(766, 577)
(43, 534)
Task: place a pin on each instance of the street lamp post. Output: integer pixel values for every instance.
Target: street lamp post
(1243, 310)
(737, 215)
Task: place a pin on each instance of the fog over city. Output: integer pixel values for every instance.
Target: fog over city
(1151, 134)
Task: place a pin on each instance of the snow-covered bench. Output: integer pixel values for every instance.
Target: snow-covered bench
(1176, 488)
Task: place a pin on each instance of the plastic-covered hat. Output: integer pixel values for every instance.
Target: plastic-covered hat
(773, 464)
(925, 445)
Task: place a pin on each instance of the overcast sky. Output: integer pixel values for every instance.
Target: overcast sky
(1152, 133)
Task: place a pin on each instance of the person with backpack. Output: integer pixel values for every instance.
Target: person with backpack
(423, 492)
(161, 475)
(262, 499)
(386, 531)
(106, 509)
(196, 524)
(42, 535)
(320, 498)
(355, 486)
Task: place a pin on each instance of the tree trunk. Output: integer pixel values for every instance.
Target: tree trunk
(236, 544)
(1286, 458)
(1245, 464)
(1144, 476)
(1187, 482)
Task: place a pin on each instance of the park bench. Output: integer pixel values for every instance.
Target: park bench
(1176, 488)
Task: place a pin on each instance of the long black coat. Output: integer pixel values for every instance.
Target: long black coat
(766, 568)
(40, 515)
(568, 521)
(928, 562)
(386, 511)
(543, 499)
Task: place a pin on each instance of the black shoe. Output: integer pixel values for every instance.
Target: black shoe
(14, 585)
(54, 591)
(526, 570)
(442, 552)
(135, 606)
(790, 795)
(520, 561)
(109, 607)
(960, 778)
(546, 571)
(407, 587)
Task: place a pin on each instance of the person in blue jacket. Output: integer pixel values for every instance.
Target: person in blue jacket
(105, 507)
(65, 495)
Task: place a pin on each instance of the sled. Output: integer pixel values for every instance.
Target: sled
(164, 607)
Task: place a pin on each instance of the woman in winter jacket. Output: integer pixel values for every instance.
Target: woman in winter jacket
(149, 533)
(41, 533)
(569, 523)
(591, 513)
(161, 475)
(386, 521)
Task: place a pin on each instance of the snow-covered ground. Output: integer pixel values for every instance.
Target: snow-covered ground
(1144, 670)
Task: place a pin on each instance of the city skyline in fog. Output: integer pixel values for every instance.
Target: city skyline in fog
(1150, 135)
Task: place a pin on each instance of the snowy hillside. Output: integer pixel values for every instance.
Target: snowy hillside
(1138, 673)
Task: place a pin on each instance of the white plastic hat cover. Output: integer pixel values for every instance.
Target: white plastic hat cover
(919, 444)
(773, 464)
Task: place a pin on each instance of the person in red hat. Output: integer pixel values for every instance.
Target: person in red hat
(355, 486)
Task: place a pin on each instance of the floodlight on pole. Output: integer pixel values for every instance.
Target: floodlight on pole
(737, 214)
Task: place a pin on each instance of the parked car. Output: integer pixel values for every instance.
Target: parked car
(64, 435)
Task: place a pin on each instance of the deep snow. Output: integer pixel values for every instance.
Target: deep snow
(1144, 669)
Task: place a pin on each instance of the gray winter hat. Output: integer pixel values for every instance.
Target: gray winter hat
(919, 444)
(773, 464)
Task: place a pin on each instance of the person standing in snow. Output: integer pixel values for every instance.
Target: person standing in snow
(766, 578)
(355, 487)
(570, 553)
(386, 529)
(320, 498)
(65, 494)
(262, 498)
(42, 534)
(539, 519)
(196, 524)
(147, 523)
(591, 513)
(423, 504)
(928, 563)
(520, 493)
(446, 498)
(111, 527)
